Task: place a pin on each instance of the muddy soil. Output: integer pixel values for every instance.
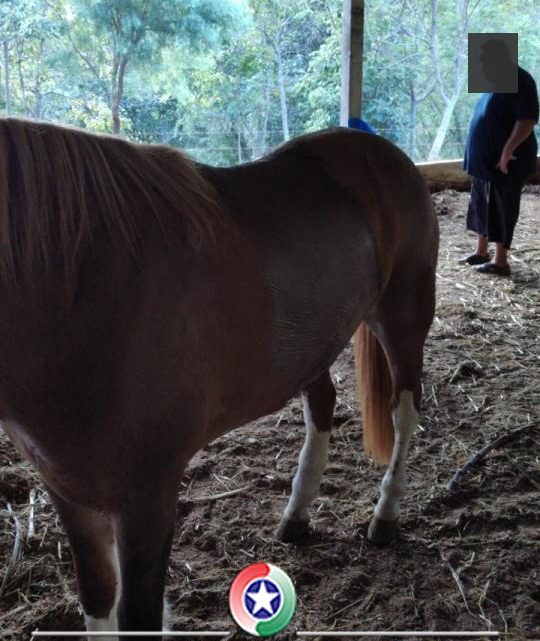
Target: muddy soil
(467, 561)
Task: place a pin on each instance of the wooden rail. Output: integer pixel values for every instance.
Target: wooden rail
(448, 174)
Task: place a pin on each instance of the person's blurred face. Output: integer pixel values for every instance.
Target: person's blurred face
(496, 65)
(490, 66)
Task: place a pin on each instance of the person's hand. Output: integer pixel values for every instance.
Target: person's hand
(506, 157)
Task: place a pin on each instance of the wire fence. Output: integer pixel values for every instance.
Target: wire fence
(207, 142)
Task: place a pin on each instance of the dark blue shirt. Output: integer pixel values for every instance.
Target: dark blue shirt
(493, 119)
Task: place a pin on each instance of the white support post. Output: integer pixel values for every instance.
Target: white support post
(352, 59)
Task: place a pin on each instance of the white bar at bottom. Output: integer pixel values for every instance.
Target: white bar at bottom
(40, 633)
(388, 633)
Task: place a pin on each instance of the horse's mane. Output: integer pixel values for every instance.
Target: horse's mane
(58, 184)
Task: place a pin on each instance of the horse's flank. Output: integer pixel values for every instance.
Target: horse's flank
(57, 182)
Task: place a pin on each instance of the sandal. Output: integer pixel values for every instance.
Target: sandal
(475, 259)
(492, 268)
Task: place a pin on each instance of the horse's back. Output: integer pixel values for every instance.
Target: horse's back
(331, 216)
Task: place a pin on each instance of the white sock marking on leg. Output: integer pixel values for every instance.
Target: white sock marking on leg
(167, 616)
(110, 623)
(311, 466)
(405, 419)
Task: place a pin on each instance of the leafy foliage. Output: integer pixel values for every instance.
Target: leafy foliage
(228, 79)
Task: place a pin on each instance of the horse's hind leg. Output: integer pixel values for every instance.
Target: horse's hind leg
(383, 525)
(400, 322)
(93, 544)
(318, 400)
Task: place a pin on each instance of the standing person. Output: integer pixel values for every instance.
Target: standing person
(500, 154)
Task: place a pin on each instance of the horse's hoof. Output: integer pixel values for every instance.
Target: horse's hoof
(382, 532)
(290, 531)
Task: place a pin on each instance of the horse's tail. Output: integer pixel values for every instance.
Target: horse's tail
(375, 394)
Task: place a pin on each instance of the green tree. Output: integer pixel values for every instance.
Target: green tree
(30, 36)
(289, 33)
(238, 100)
(227, 79)
(135, 31)
(317, 92)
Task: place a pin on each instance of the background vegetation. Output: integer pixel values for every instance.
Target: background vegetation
(228, 79)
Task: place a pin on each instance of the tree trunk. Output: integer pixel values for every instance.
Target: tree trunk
(412, 122)
(38, 106)
(115, 113)
(282, 96)
(259, 146)
(117, 91)
(434, 153)
(239, 144)
(264, 129)
(460, 134)
(22, 85)
(6, 78)
(449, 99)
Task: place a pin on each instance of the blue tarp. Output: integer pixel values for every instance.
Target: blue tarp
(358, 123)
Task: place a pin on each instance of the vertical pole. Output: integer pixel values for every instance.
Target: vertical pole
(352, 58)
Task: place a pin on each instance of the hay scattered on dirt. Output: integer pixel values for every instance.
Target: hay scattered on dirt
(463, 561)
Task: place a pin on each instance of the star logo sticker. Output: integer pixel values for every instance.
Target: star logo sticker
(263, 599)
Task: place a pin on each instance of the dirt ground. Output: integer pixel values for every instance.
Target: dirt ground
(467, 561)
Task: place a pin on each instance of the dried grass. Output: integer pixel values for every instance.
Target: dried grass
(463, 561)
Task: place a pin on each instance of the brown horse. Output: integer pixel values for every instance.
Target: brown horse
(149, 305)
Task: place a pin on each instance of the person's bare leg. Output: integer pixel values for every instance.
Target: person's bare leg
(482, 245)
(501, 255)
